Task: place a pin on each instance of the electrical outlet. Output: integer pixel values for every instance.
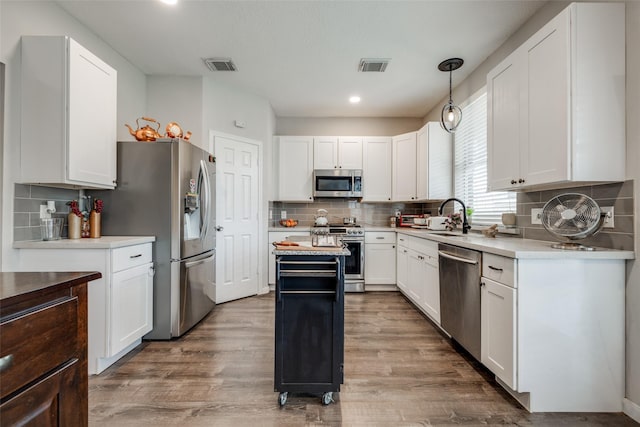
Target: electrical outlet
(44, 213)
(536, 216)
(283, 214)
(608, 220)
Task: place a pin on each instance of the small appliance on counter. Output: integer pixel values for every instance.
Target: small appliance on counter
(407, 220)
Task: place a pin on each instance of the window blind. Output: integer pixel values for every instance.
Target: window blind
(470, 167)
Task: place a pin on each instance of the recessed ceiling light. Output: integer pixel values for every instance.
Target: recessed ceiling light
(171, 2)
(354, 99)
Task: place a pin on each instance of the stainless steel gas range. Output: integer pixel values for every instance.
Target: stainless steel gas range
(353, 237)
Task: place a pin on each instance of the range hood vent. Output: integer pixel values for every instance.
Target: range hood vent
(220, 64)
(373, 65)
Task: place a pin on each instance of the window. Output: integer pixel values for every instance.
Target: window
(470, 166)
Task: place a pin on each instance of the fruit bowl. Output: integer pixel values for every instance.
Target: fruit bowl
(288, 222)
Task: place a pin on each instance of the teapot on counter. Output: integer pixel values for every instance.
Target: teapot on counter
(146, 133)
(321, 218)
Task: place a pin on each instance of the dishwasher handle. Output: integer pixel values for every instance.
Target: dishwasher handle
(457, 258)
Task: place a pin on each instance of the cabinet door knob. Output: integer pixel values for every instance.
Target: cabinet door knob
(513, 181)
(521, 181)
(482, 284)
(219, 228)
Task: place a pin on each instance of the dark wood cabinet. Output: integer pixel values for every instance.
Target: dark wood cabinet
(43, 349)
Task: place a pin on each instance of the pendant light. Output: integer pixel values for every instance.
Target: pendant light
(451, 114)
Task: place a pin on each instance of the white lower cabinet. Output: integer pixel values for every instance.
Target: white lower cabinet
(131, 315)
(278, 236)
(402, 265)
(380, 258)
(418, 273)
(498, 330)
(120, 309)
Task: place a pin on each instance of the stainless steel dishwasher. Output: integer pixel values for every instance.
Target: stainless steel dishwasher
(460, 271)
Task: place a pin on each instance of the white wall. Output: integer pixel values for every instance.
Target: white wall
(346, 126)
(477, 80)
(19, 18)
(178, 99)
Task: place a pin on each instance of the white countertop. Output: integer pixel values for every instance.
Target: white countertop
(514, 247)
(296, 228)
(104, 242)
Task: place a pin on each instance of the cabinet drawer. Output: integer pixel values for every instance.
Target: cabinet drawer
(379, 237)
(499, 268)
(131, 256)
(34, 342)
(424, 246)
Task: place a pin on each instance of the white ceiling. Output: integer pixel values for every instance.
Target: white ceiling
(303, 55)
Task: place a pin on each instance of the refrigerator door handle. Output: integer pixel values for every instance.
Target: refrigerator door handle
(200, 261)
(207, 199)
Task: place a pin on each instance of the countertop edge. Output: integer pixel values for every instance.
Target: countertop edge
(105, 242)
(514, 247)
(16, 286)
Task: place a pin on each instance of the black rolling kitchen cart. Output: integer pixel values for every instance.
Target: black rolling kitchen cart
(309, 329)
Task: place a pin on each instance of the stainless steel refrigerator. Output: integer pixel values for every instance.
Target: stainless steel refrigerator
(166, 189)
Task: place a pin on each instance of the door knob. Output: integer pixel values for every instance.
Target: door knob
(219, 228)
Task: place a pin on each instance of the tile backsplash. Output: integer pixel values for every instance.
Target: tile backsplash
(619, 195)
(366, 213)
(26, 209)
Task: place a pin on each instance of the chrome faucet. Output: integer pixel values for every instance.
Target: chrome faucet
(465, 224)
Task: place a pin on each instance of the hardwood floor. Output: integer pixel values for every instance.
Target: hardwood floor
(398, 371)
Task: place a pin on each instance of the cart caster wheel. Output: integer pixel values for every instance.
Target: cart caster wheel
(327, 398)
(282, 399)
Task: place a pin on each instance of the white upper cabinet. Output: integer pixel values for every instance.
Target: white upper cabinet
(434, 156)
(69, 103)
(556, 105)
(330, 152)
(295, 168)
(403, 184)
(376, 170)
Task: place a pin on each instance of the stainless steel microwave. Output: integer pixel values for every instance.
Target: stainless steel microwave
(337, 183)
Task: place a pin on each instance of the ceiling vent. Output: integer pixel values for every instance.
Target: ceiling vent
(220, 64)
(373, 65)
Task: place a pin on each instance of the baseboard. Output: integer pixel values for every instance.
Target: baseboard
(375, 288)
(631, 409)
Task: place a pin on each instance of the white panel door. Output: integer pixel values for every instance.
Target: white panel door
(92, 117)
(325, 152)
(404, 167)
(131, 306)
(544, 156)
(237, 214)
(350, 153)
(498, 330)
(503, 125)
(376, 170)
